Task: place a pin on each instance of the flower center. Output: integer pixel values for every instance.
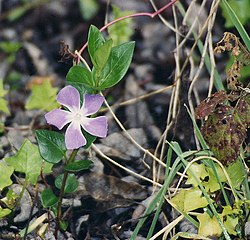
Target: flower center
(77, 117)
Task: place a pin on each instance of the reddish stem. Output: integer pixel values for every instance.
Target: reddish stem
(152, 15)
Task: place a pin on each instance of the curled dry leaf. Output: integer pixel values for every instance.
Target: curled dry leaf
(233, 74)
(241, 55)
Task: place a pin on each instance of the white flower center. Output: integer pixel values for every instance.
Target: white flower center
(77, 117)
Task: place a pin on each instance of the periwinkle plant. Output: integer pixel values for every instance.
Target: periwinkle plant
(80, 103)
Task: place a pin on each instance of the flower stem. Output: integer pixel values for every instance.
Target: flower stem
(142, 14)
(59, 205)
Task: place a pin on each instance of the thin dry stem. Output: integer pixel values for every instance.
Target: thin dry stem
(212, 61)
(198, 72)
(130, 137)
(143, 14)
(191, 29)
(172, 108)
(199, 36)
(196, 77)
(167, 228)
(164, 21)
(139, 98)
(98, 151)
(146, 151)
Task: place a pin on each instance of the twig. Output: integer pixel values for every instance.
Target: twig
(198, 37)
(59, 205)
(139, 98)
(146, 152)
(191, 29)
(97, 150)
(142, 14)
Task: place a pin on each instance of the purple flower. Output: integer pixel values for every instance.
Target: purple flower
(77, 117)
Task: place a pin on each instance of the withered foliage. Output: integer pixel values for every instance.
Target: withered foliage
(227, 116)
(241, 55)
(208, 106)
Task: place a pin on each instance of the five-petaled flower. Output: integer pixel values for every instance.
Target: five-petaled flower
(77, 116)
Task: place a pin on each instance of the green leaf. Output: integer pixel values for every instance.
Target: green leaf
(71, 183)
(236, 174)
(101, 55)
(17, 12)
(48, 198)
(189, 199)
(229, 210)
(3, 106)
(28, 161)
(3, 92)
(95, 41)
(187, 235)
(117, 65)
(237, 24)
(200, 172)
(88, 8)
(51, 145)
(80, 75)
(4, 212)
(10, 47)
(89, 138)
(5, 174)
(230, 224)
(209, 226)
(10, 199)
(78, 166)
(3, 102)
(243, 14)
(63, 225)
(121, 31)
(43, 97)
(212, 184)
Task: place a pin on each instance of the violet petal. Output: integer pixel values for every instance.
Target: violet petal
(73, 137)
(96, 126)
(57, 117)
(69, 97)
(91, 103)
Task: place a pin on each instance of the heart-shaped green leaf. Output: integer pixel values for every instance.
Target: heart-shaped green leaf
(5, 174)
(4, 212)
(71, 183)
(63, 225)
(28, 161)
(43, 97)
(48, 198)
(79, 75)
(51, 145)
(78, 165)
